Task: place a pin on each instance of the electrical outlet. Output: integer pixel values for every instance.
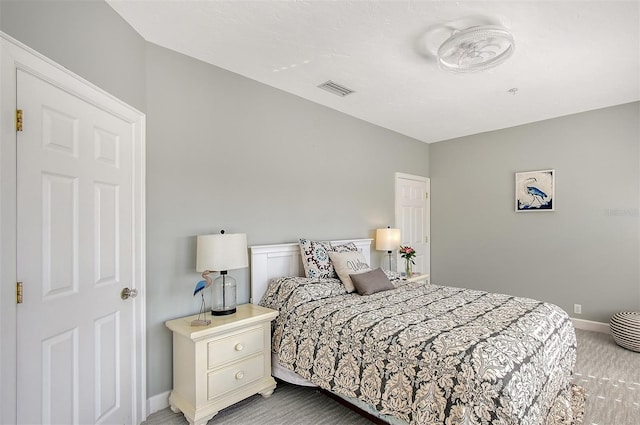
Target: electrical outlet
(577, 309)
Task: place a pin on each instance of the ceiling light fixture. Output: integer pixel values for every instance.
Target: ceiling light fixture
(476, 49)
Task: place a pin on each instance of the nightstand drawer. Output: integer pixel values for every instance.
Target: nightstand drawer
(235, 347)
(235, 376)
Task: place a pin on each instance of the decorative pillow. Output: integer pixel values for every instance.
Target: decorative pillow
(347, 263)
(350, 246)
(371, 282)
(315, 257)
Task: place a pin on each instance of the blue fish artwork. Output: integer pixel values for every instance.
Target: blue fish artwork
(535, 191)
(537, 194)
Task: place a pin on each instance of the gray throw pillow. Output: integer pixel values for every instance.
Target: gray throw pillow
(371, 282)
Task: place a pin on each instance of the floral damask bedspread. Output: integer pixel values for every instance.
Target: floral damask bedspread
(430, 354)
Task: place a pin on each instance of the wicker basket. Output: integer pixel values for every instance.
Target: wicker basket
(625, 329)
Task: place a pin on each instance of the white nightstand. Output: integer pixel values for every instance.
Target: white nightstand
(221, 364)
(418, 277)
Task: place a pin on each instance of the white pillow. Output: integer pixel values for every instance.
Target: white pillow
(346, 263)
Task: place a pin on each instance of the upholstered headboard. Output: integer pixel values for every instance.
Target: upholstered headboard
(271, 261)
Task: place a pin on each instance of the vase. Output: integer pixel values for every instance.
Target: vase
(407, 268)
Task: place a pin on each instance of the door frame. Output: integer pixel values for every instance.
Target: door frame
(15, 55)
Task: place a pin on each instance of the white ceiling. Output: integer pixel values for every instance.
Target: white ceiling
(569, 57)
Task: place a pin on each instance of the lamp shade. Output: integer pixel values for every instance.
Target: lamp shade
(222, 252)
(387, 239)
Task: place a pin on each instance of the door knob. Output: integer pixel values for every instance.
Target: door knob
(128, 293)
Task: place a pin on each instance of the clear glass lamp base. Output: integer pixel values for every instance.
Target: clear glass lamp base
(224, 295)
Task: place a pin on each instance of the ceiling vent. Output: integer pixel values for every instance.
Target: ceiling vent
(336, 88)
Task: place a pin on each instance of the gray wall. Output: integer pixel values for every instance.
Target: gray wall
(223, 152)
(87, 37)
(586, 252)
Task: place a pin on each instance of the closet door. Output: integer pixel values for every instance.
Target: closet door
(413, 217)
(72, 224)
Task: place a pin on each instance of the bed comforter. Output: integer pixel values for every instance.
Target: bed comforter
(430, 354)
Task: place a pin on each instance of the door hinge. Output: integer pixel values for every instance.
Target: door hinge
(18, 292)
(426, 195)
(18, 119)
(426, 239)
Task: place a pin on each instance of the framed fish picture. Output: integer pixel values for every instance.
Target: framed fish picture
(535, 190)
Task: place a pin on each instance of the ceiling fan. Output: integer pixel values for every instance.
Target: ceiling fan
(476, 48)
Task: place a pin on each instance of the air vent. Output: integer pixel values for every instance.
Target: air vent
(336, 88)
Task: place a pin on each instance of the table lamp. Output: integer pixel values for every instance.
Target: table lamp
(388, 240)
(222, 252)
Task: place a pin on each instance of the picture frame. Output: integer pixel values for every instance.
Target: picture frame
(535, 190)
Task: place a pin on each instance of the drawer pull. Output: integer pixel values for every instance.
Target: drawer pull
(239, 375)
(239, 347)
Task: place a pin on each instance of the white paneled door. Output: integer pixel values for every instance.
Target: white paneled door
(413, 219)
(75, 227)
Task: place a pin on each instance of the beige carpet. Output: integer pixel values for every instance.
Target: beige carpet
(609, 374)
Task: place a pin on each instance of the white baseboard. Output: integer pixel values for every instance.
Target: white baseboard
(158, 402)
(589, 325)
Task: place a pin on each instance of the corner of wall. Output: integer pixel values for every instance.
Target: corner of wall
(158, 402)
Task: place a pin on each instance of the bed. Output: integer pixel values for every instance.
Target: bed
(419, 353)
